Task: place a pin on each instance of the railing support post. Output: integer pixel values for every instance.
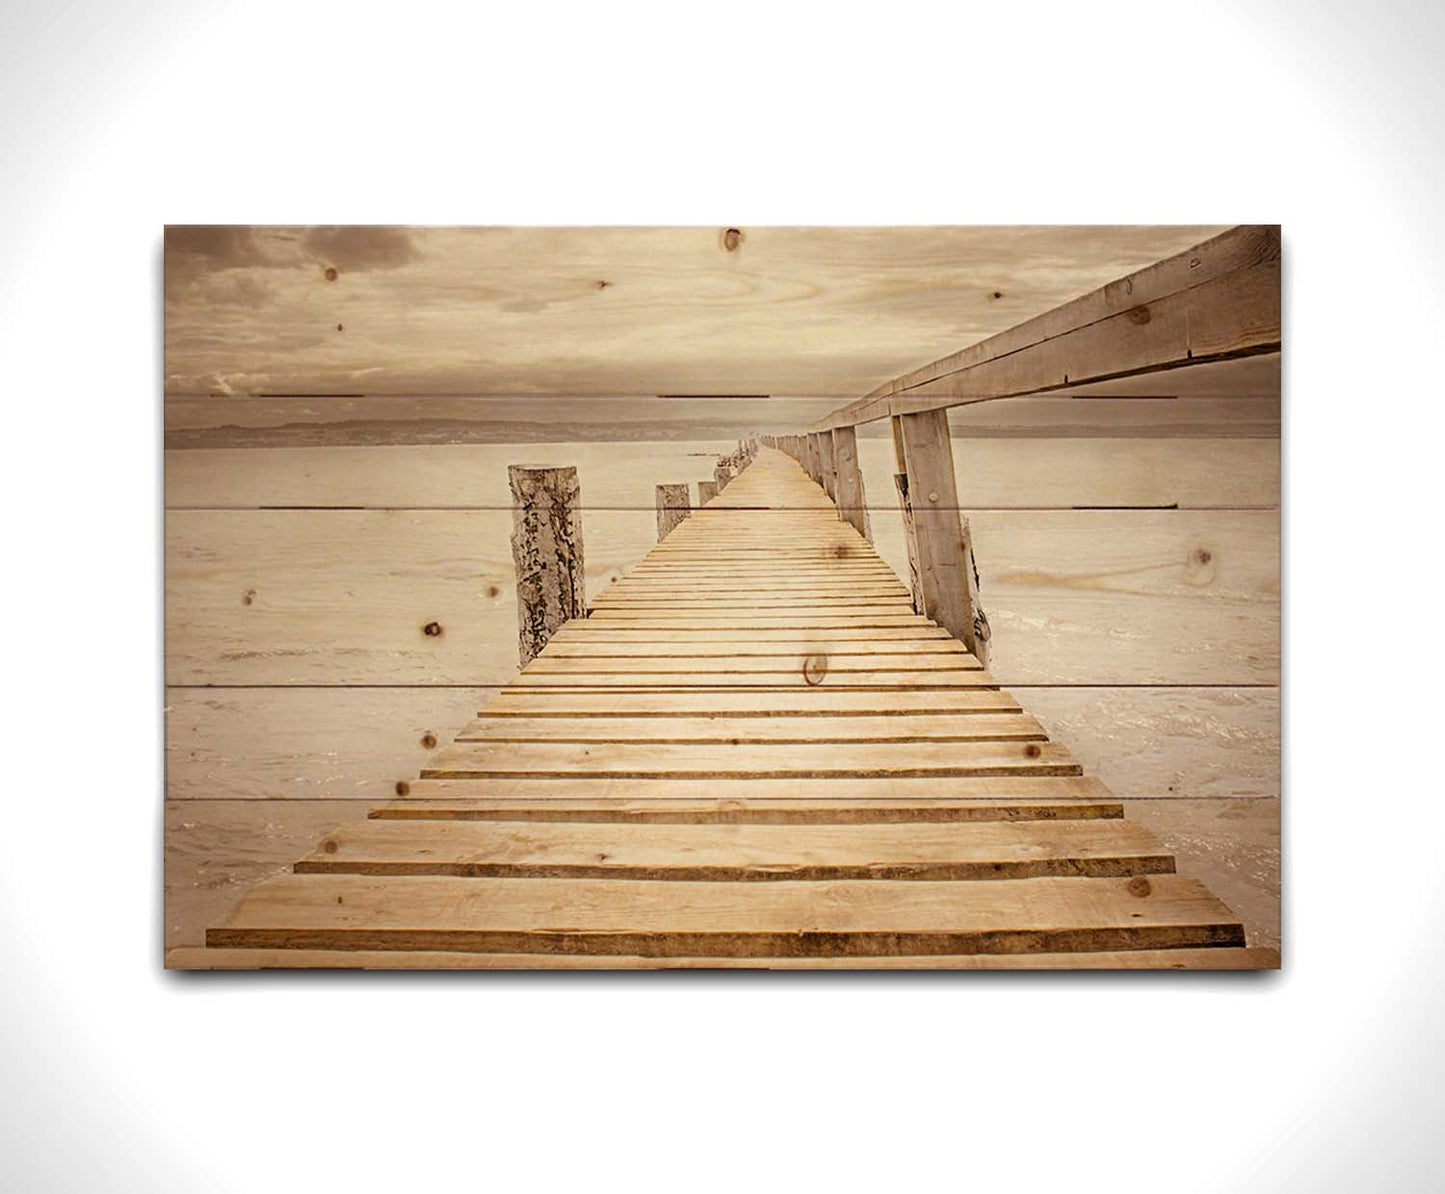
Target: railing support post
(852, 505)
(672, 508)
(941, 551)
(814, 461)
(706, 491)
(826, 476)
(547, 553)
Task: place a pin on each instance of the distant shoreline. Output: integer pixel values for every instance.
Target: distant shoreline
(387, 432)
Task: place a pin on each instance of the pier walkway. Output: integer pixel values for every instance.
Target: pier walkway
(752, 753)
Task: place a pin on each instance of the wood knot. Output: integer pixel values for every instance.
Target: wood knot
(815, 667)
(429, 740)
(998, 294)
(493, 591)
(731, 239)
(1033, 750)
(403, 788)
(842, 551)
(248, 596)
(1199, 567)
(329, 845)
(1138, 886)
(330, 273)
(432, 629)
(603, 285)
(340, 327)
(1139, 315)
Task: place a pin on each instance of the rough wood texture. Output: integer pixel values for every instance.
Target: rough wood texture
(672, 508)
(1168, 597)
(947, 585)
(346, 597)
(311, 743)
(547, 551)
(706, 491)
(636, 310)
(979, 850)
(216, 850)
(1168, 742)
(1232, 846)
(689, 919)
(307, 743)
(1245, 958)
(1019, 453)
(851, 498)
(910, 542)
(1031, 472)
(1216, 300)
(816, 802)
(749, 731)
(734, 801)
(827, 468)
(656, 760)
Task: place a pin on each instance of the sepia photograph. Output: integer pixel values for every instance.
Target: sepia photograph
(769, 597)
(650, 597)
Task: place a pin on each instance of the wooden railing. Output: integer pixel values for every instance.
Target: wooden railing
(1215, 302)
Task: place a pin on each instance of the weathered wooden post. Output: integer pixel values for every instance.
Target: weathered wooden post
(825, 465)
(852, 505)
(721, 475)
(813, 458)
(672, 508)
(900, 479)
(941, 551)
(706, 491)
(547, 552)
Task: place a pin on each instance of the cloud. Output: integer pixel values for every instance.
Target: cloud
(352, 248)
(197, 250)
(236, 288)
(217, 246)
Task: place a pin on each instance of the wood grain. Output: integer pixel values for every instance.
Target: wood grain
(345, 597)
(1241, 958)
(1233, 846)
(962, 851)
(1066, 473)
(640, 310)
(357, 597)
(215, 850)
(1216, 298)
(1168, 742)
(748, 731)
(612, 916)
(1125, 597)
(306, 743)
(774, 760)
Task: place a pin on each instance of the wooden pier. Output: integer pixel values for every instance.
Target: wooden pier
(752, 753)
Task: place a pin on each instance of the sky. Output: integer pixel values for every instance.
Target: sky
(610, 311)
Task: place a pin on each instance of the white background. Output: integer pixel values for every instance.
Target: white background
(117, 118)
